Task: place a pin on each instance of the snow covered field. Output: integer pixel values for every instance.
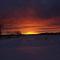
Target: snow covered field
(30, 48)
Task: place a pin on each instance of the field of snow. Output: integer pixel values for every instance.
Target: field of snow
(42, 47)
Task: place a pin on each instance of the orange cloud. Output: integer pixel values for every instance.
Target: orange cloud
(26, 22)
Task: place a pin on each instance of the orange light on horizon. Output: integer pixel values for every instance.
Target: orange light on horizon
(29, 33)
(29, 30)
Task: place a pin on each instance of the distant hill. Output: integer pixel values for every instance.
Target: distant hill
(19, 34)
(50, 33)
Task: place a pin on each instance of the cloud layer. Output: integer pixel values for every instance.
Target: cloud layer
(42, 8)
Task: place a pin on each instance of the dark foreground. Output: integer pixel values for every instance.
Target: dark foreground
(30, 48)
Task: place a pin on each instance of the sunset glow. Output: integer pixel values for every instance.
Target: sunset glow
(29, 33)
(28, 22)
(30, 26)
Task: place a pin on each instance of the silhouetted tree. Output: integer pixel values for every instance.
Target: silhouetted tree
(0, 29)
(18, 32)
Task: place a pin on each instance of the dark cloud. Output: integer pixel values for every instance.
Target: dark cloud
(50, 8)
(42, 8)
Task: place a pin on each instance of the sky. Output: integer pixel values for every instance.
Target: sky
(30, 15)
